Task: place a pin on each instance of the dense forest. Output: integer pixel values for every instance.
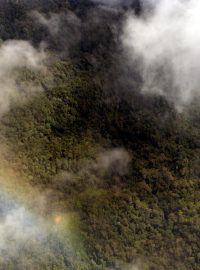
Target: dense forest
(94, 173)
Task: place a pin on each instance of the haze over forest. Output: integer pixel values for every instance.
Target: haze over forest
(99, 135)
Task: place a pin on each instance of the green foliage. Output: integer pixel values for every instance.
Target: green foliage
(152, 212)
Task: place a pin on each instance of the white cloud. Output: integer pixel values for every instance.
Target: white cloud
(166, 39)
(16, 228)
(15, 55)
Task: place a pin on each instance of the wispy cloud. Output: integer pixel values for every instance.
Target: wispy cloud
(63, 28)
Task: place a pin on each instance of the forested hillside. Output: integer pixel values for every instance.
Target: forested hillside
(111, 173)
